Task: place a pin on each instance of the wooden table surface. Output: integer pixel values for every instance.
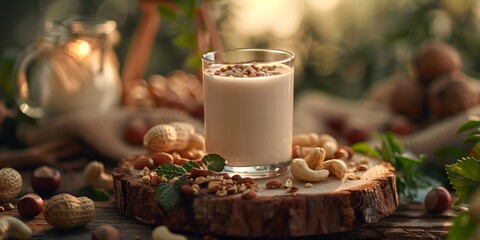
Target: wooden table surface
(409, 221)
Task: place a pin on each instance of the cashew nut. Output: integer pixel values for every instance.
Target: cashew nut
(12, 228)
(301, 140)
(95, 176)
(334, 166)
(328, 143)
(163, 233)
(302, 172)
(315, 157)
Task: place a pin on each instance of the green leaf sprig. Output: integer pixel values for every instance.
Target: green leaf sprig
(464, 175)
(406, 164)
(168, 194)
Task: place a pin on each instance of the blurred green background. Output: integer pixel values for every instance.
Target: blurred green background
(343, 47)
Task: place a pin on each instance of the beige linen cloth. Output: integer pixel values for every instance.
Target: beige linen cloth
(103, 132)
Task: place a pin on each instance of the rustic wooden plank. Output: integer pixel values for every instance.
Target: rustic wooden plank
(106, 213)
(415, 227)
(409, 221)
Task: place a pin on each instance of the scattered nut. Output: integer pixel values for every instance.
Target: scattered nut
(301, 139)
(315, 157)
(187, 190)
(246, 180)
(302, 172)
(143, 162)
(106, 232)
(10, 184)
(146, 179)
(2, 209)
(180, 161)
(438, 200)
(163, 233)
(342, 154)
(292, 189)
(12, 228)
(222, 192)
(273, 184)
(297, 151)
(308, 185)
(45, 180)
(195, 172)
(334, 166)
(95, 176)
(329, 144)
(160, 158)
(237, 178)
(288, 183)
(145, 171)
(30, 205)
(362, 167)
(314, 139)
(66, 211)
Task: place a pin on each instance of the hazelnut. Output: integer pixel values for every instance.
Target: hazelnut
(438, 200)
(30, 205)
(45, 180)
(434, 59)
(450, 94)
(408, 99)
(106, 232)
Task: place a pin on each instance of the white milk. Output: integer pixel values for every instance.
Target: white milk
(248, 121)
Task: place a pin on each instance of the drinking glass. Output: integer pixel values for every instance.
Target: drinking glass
(249, 109)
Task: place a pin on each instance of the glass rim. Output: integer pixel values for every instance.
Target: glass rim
(290, 56)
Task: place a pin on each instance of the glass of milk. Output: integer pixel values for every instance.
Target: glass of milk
(249, 109)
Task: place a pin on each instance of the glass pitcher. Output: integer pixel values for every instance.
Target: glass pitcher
(72, 68)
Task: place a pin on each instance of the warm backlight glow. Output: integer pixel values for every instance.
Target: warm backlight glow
(80, 48)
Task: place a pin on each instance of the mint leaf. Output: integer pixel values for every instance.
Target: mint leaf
(406, 165)
(390, 147)
(167, 195)
(463, 227)
(181, 181)
(189, 165)
(366, 149)
(464, 175)
(170, 170)
(214, 162)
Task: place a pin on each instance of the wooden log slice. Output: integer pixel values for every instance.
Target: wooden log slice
(333, 205)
